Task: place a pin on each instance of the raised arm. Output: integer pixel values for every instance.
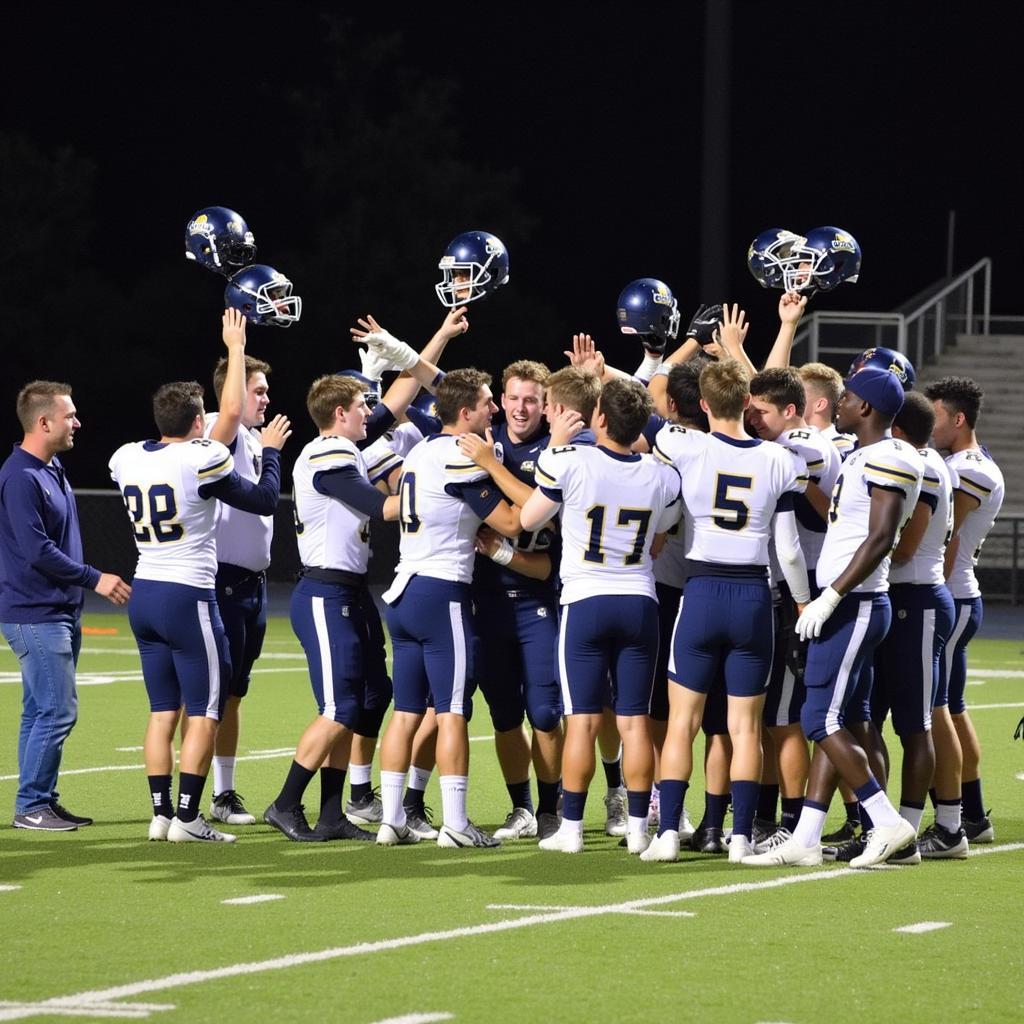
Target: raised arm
(231, 404)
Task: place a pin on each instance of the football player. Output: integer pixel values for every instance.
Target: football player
(613, 504)
(873, 497)
(171, 489)
(823, 387)
(977, 497)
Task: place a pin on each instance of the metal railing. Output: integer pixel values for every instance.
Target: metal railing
(921, 333)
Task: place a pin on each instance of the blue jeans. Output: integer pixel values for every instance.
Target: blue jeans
(47, 653)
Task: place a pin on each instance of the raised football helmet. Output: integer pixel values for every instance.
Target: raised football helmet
(823, 259)
(474, 265)
(769, 253)
(886, 359)
(648, 308)
(264, 296)
(220, 240)
(371, 388)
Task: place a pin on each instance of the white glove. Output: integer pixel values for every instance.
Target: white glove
(387, 346)
(374, 365)
(817, 613)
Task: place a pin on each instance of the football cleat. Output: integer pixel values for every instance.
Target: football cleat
(368, 810)
(980, 831)
(617, 820)
(908, 855)
(845, 852)
(739, 848)
(663, 848)
(292, 824)
(198, 831)
(776, 839)
(421, 824)
(563, 841)
(229, 808)
(158, 826)
(708, 840)
(938, 843)
(654, 810)
(451, 839)
(396, 835)
(883, 841)
(547, 824)
(844, 834)
(343, 829)
(789, 853)
(686, 828)
(764, 829)
(520, 824)
(637, 842)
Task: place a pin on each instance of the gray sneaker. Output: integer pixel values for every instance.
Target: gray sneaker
(368, 810)
(420, 824)
(43, 820)
(617, 820)
(470, 836)
(520, 824)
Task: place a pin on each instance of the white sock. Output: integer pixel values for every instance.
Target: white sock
(948, 816)
(636, 826)
(571, 828)
(647, 369)
(881, 810)
(810, 826)
(419, 777)
(223, 774)
(453, 801)
(391, 787)
(913, 815)
(359, 774)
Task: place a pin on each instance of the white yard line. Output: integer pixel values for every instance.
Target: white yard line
(923, 926)
(244, 901)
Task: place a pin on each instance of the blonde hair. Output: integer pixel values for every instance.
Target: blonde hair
(574, 389)
(824, 381)
(525, 369)
(725, 386)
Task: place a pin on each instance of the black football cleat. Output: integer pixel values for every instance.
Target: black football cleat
(292, 824)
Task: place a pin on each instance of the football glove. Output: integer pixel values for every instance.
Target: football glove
(704, 324)
(817, 613)
(400, 355)
(373, 365)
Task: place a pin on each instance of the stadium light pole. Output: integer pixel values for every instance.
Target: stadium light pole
(715, 178)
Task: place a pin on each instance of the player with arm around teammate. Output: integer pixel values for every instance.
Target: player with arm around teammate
(171, 489)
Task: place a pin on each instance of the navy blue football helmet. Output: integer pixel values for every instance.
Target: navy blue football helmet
(220, 240)
(648, 308)
(886, 359)
(371, 388)
(769, 253)
(474, 265)
(264, 296)
(822, 260)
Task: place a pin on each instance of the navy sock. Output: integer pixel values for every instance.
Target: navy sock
(744, 804)
(360, 790)
(852, 811)
(190, 793)
(413, 801)
(294, 786)
(638, 802)
(332, 785)
(573, 805)
(934, 797)
(715, 806)
(547, 797)
(613, 773)
(791, 808)
(160, 791)
(971, 801)
(519, 792)
(673, 793)
(767, 799)
(865, 820)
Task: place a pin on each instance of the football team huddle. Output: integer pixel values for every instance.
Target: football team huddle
(774, 557)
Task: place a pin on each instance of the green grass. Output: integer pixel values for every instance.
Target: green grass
(102, 908)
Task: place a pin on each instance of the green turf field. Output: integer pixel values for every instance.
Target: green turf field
(102, 924)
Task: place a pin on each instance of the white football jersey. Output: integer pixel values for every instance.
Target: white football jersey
(438, 528)
(823, 463)
(386, 453)
(175, 528)
(890, 464)
(612, 506)
(925, 565)
(670, 565)
(979, 476)
(242, 537)
(844, 443)
(731, 490)
(330, 534)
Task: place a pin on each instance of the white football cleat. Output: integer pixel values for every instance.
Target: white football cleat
(396, 835)
(686, 828)
(883, 842)
(739, 847)
(637, 842)
(563, 841)
(198, 831)
(520, 824)
(158, 827)
(789, 852)
(662, 848)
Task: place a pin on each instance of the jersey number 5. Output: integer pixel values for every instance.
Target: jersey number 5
(738, 510)
(160, 503)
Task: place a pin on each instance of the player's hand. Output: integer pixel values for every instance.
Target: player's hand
(233, 327)
(487, 541)
(384, 344)
(658, 544)
(704, 324)
(732, 329)
(568, 423)
(113, 588)
(817, 613)
(791, 307)
(276, 432)
(479, 449)
(585, 355)
(367, 326)
(454, 324)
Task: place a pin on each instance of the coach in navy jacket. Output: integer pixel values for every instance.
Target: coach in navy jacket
(42, 573)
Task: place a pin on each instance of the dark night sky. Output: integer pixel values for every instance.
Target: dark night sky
(877, 117)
